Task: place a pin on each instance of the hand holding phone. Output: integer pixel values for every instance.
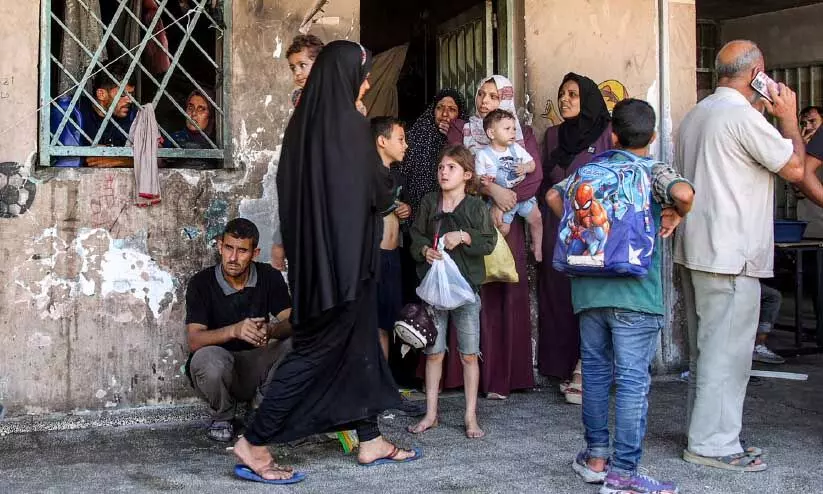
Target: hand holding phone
(779, 100)
(763, 84)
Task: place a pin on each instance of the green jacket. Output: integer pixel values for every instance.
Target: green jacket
(471, 216)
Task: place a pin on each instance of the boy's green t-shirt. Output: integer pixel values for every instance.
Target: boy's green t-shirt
(637, 294)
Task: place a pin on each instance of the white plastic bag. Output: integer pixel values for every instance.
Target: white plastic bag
(444, 287)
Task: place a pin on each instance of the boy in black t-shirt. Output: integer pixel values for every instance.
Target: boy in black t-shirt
(237, 324)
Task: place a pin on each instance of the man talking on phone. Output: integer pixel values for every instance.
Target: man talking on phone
(731, 153)
(237, 324)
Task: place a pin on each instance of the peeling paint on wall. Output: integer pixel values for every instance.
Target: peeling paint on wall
(262, 211)
(126, 269)
(62, 271)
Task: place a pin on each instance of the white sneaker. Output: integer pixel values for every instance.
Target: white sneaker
(762, 354)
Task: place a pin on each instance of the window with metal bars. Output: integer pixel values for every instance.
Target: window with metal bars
(707, 43)
(807, 82)
(103, 60)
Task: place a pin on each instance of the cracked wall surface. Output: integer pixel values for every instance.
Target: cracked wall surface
(91, 313)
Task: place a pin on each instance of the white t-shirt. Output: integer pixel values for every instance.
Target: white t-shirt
(509, 159)
(729, 152)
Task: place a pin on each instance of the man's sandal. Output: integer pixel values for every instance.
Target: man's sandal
(739, 462)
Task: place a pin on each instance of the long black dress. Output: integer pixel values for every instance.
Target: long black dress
(330, 193)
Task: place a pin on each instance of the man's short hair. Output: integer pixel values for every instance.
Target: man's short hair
(495, 116)
(305, 42)
(809, 109)
(744, 62)
(633, 122)
(384, 126)
(242, 228)
(101, 79)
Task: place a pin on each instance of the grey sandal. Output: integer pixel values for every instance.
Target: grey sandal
(739, 462)
(221, 431)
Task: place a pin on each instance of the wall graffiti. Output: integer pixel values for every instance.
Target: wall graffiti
(17, 190)
(613, 92)
(106, 205)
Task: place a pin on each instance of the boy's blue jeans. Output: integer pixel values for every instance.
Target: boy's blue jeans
(617, 345)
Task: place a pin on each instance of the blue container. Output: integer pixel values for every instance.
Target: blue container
(786, 231)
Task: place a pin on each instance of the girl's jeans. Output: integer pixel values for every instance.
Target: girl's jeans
(617, 346)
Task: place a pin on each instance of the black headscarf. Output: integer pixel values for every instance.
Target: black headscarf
(425, 141)
(577, 134)
(327, 186)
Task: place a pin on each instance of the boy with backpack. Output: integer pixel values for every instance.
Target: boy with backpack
(610, 209)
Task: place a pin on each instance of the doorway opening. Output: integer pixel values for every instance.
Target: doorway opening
(450, 44)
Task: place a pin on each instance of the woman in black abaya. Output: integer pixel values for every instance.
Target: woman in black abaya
(330, 194)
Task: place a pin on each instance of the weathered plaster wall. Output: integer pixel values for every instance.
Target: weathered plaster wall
(787, 37)
(91, 312)
(615, 43)
(18, 68)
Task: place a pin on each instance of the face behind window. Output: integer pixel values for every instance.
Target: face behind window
(198, 109)
(106, 97)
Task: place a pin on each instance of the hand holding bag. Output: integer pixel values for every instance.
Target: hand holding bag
(444, 287)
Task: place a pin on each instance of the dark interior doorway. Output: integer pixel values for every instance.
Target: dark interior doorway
(415, 23)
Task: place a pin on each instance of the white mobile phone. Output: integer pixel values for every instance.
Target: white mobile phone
(762, 83)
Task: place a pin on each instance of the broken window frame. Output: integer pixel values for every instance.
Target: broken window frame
(50, 146)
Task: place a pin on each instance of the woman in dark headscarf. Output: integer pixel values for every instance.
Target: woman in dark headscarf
(585, 133)
(336, 377)
(201, 114)
(199, 125)
(442, 122)
(443, 118)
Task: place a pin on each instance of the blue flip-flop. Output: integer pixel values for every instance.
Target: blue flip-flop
(246, 473)
(390, 458)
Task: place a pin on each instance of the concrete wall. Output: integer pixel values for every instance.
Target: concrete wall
(787, 37)
(614, 42)
(91, 309)
(18, 68)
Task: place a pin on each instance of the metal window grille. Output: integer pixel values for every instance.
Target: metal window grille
(466, 52)
(807, 82)
(707, 43)
(216, 14)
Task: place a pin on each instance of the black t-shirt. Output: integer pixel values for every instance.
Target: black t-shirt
(208, 304)
(815, 146)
